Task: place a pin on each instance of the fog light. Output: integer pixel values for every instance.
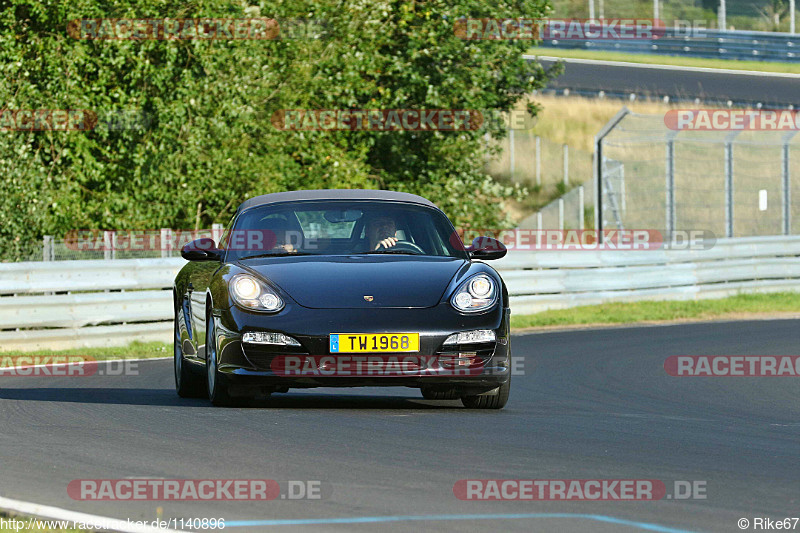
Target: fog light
(462, 360)
(471, 337)
(260, 337)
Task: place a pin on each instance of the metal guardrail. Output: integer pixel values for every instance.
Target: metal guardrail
(705, 43)
(74, 304)
(87, 275)
(543, 280)
(537, 280)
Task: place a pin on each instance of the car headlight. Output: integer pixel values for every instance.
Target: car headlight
(251, 293)
(478, 293)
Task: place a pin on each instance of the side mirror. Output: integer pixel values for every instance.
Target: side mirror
(486, 248)
(203, 249)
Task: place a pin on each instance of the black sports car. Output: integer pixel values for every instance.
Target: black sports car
(342, 288)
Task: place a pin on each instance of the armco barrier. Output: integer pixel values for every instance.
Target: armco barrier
(76, 304)
(546, 279)
(67, 304)
(705, 43)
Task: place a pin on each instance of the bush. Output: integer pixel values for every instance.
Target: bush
(206, 141)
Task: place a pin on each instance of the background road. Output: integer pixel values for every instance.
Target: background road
(593, 404)
(581, 75)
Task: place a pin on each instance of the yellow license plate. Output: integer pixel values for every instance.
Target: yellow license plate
(374, 342)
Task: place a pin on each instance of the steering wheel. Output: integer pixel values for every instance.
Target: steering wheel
(404, 245)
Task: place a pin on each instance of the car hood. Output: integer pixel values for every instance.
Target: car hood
(346, 282)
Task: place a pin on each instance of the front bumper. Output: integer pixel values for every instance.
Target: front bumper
(254, 366)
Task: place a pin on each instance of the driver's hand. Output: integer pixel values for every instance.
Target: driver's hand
(387, 243)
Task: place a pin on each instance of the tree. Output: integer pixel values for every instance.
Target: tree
(196, 136)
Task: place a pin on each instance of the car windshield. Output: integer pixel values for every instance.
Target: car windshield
(341, 228)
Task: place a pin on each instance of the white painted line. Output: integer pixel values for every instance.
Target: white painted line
(665, 67)
(56, 513)
(540, 330)
(75, 362)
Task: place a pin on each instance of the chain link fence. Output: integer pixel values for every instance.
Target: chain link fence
(553, 173)
(121, 244)
(574, 210)
(534, 161)
(733, 183)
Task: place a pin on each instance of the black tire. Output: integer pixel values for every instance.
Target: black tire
(217, 390)
(497, 401)
(429, 394)
(188, 384)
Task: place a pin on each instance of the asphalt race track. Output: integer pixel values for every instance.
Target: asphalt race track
(591, 405)
(678, 82)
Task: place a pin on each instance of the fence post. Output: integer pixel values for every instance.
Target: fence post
(786, 185)
(216, 232)
(108, 245)
(670, 192)
(595, 182)
(48, 248)
(538, 230)
(566, 164)
(113, 245)
(511, 152)
(581, 208)
(561, 214)
(728, 188)
(598, 170)
(538, 160)
(166, 242)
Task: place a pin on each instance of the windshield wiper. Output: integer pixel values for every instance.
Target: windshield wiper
(273, 254)
(389, 251)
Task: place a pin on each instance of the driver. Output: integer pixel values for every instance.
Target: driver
(381, 232)
(276, 236)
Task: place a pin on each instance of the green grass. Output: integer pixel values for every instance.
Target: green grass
(135, 350)
(654, 59)
(625, 313)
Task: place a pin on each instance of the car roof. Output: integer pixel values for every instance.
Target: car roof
(335, 194)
